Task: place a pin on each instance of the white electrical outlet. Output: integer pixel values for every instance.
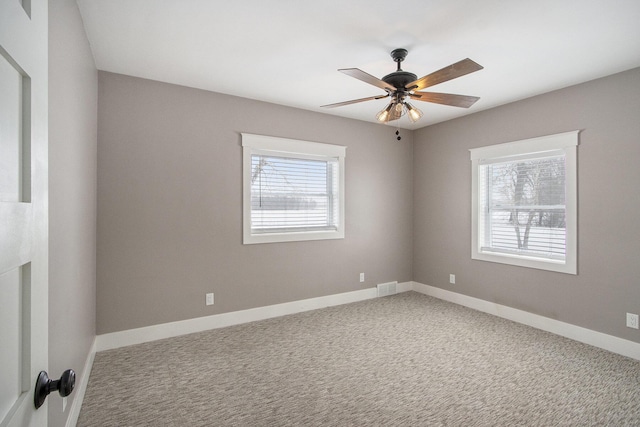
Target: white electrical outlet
(361, 277)
(632, 320)
(210, 299)
(452, 279)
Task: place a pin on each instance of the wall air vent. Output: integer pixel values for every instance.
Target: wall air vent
(385, 289)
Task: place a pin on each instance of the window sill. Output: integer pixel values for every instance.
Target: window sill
(250, 239)
(558, 266)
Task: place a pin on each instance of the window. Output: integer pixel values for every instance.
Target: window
(292, 190)
(524, 203)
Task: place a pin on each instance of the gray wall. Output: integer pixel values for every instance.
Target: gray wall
(73, 91)
(608, 284)
(170, 213)
(169, 206)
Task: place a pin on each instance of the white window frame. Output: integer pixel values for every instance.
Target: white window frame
(565, 143)
(268, 145)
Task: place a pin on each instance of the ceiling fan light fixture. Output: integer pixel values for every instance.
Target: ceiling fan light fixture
(384, 115)
(413, 112)
(397, 111)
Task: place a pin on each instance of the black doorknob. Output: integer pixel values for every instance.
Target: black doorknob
(45, 385)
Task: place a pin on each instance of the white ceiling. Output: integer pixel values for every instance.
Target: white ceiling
(288, 51)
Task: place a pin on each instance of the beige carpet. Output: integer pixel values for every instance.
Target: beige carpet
(404, 360)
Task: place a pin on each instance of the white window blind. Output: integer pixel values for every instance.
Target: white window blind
(293, 190)
(524, 203)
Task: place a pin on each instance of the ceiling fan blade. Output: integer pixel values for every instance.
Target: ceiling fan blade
(453, 71)
(463, 101)
(354, 101)
(367, 78)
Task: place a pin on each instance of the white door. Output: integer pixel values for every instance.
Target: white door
(23, 209)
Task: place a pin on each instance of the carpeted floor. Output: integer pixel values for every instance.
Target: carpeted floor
(404, 360)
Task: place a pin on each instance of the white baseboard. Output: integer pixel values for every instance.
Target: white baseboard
(404, 287)
(189, 326)
(597, 339)
(81, 388)
(167, 330)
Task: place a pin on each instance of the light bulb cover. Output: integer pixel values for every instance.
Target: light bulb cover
(384, 115)
(413, 113)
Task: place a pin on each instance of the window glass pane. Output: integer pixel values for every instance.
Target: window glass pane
(523, 207)
(293, 194)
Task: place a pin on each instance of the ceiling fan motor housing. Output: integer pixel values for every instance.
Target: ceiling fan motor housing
(399, 79)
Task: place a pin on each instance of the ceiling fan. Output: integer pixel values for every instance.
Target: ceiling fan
(400, 85)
